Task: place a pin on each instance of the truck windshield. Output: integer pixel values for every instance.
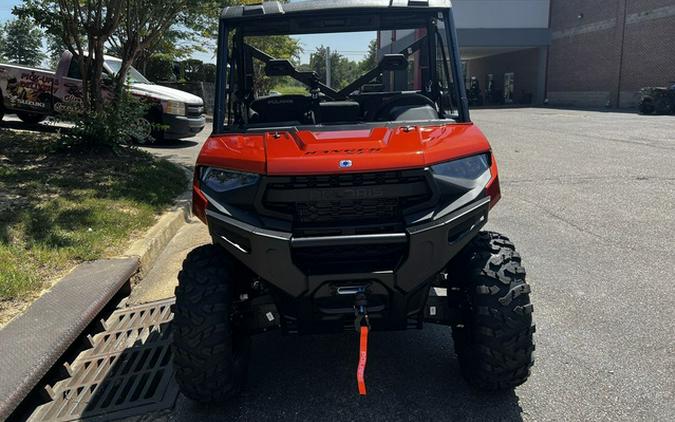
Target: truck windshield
(344, 78)
(133, 75)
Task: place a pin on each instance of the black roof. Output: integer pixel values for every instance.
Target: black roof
(275, 9)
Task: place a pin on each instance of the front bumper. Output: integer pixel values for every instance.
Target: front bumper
(182, 126)
(397, 294)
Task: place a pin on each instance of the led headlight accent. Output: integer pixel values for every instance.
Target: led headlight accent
(224, 180)
(470, 168)
(175, 107)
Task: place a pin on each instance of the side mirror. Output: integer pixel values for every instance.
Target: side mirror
(394, 62)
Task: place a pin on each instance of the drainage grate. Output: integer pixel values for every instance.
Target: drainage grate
(127, 372)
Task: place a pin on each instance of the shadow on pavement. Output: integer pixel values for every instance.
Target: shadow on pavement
(411, 375)
(170, 144)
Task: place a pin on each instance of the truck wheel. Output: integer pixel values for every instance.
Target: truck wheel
(494, 335)
(141, 131)
(210, 356)
(30, 118)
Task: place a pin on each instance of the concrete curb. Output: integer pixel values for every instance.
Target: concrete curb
(148, 249)
(33, 342)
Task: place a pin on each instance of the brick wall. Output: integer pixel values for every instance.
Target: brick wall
(603, 51)
(649, 49)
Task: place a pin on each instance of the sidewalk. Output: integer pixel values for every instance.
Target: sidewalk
(161, 280)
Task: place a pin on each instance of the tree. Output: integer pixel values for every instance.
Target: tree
(55, 48)
(22, 43)
(2, 43)
(194, 28)
(144, 24)
(175, 45)
(277, 46)
(209, 72)
(193, 70)
(198, 27)
(133, 30)
(370, 61)
(84, 27)
(129, 27)
(159, 67)
(343, 70)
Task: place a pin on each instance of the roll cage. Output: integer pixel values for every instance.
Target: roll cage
(234, 84)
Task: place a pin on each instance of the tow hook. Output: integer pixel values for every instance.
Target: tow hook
(362, 326)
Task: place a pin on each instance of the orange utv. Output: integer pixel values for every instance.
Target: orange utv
(356, 207)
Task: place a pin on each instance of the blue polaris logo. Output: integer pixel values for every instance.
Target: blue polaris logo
(345, 164)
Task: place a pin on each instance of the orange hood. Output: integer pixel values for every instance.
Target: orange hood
(342, 151)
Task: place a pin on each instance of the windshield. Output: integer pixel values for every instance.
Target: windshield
(342, 78)
(133, 75)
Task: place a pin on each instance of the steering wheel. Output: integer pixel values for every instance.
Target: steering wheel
(401, 100)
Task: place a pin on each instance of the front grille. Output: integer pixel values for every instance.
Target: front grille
(355, 258)
(329, 211)
(346, 203)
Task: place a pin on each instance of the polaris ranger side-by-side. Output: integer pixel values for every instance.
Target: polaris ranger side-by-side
(352, 208)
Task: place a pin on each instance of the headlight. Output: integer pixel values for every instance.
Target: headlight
(175, 107)
(470, 168)
(225, 180)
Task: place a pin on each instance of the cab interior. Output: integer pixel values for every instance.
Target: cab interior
(364, 100)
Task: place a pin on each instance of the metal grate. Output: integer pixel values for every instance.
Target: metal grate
(127, 371)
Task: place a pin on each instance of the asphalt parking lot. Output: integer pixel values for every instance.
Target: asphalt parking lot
(589, 199)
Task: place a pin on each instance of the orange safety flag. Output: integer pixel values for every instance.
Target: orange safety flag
(363, 357)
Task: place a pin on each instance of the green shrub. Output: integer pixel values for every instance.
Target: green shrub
(115, 125)
(209, 72)
(159, 68)
(193, 70)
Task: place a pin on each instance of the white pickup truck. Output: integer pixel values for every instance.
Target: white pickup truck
(34, 94)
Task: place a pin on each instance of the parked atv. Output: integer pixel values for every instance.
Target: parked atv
(657, 100)
(347, 209)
